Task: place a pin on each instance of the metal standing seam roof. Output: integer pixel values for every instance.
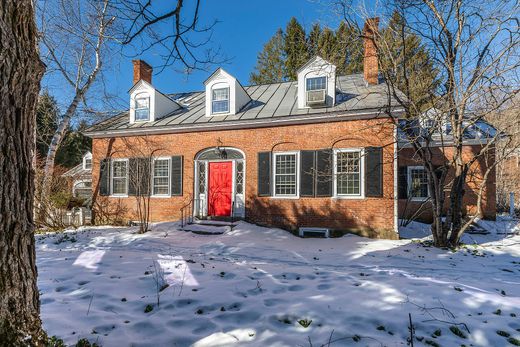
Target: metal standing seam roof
(270, 102)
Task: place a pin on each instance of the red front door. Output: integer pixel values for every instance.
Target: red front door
(220, 187)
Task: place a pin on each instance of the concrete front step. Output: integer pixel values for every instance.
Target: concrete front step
(212, 222)
(203, 229)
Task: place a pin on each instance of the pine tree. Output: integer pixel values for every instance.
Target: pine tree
(295, 48)
(314, 38)
(327, 48)
(74, 145)
(411, 57)
(348, 56)
(47, 114)
(270, 66)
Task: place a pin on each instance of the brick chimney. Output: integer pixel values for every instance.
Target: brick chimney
(142, 71)
(370, 67)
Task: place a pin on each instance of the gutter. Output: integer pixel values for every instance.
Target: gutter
(245, 124)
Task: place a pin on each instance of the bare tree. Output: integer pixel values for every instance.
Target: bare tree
(20, 73)
(174, 32)
(474, 47)
(75, 35)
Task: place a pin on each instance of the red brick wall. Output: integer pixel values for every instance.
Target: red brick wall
(474, 180)
(371, 216)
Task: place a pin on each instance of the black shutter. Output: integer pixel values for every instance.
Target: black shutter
(374, 171)
(145, 177)
(264, 174)
(403, 182)
(176, 175)
(104, 177)
(133, 176)
(307, 172)
(324, 165)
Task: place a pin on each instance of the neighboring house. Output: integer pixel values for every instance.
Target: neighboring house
(316, 152)
(508, 180)
(80, 177)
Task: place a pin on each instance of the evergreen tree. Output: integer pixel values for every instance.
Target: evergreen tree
(314, 38)
(327, 48)
(348, 56)
(47, 115)
(411, 57)
(74, 145)
(295, 48)
(270, 66)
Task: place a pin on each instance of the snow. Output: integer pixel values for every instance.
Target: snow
(252, 285)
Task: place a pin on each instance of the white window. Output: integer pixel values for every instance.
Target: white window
(348, 173)
(142, 107)
(87, 164)
(120, 177)
(161, 176)
(316, 83)
(220, 100)
(286, 174)
(417, 183)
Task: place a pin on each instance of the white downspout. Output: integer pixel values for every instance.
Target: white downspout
(396, 193)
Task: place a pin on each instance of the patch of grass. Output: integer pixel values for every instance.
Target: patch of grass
(437, 333)
(503, 333)
(431, 343)
(498, 312)
(513, 341)
(356, 338)
(86, 343)
(381, 327)
(459, 289)
(456, 331)
(55, 341)
(148, 308)
(305, 322)
(512, 315)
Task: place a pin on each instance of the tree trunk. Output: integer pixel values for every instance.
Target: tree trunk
(20, 73)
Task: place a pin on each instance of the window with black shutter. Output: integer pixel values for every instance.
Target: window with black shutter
(374, 172)
(403, 182)
(307, 173)
(176, 175)
(324, 174)
(104, 177)
(264, 174)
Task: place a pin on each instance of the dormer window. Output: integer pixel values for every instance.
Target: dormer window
(87, 161)
(316, 90)
(142, 107)
(220, 100)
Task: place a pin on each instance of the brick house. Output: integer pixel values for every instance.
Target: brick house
(321, 151)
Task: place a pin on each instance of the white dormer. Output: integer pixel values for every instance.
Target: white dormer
(87, 161)
(148, 104)
(317, 84)
(224, 94)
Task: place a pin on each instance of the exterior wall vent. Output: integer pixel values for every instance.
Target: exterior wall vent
(310, 231)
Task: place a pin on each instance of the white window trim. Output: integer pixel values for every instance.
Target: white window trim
(112, 178)
(409, 183)
(361, 194)
(228, 100)
(85, 157)
(137, 96)
(313, 77)
(169, 178)
(306, 90)
(282, 196)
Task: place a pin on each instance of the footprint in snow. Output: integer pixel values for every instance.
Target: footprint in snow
(47, 301)
(82, 283)
(272, 302)
(296, 288)
(324, 286)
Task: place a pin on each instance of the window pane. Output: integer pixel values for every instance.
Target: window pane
(221, 94)
(119, 172)
(142, 114)
(142, 102)
(202, 178)
(239, 178)
(220, 106)
(88, 164)
(348, 179)
(285, 174)
(161, 176)
(418, 183)
(316, 83)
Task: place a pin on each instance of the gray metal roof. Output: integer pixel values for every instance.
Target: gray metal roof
(271, 103)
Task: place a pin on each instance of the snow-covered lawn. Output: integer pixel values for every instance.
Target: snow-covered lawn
(265, 287)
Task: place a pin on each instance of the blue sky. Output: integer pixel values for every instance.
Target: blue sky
(244, 27)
